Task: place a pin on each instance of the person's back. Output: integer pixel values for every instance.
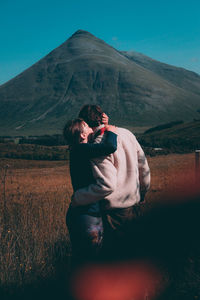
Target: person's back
(121, 206)
(132, 171)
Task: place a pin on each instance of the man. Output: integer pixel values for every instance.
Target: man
(122, 180)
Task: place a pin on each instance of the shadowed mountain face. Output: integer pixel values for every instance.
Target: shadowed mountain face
(132, 88)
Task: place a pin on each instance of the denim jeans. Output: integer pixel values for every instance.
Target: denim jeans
(86, 233)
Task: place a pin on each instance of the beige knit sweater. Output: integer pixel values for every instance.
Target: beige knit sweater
(120, 177)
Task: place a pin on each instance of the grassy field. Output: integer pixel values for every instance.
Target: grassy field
(34, 199)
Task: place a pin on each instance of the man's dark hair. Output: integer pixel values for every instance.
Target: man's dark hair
(72, 131)
(91, 114)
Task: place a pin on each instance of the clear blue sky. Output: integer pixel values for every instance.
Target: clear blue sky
(168, 31)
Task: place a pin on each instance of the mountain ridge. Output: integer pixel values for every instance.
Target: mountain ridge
(159, 67)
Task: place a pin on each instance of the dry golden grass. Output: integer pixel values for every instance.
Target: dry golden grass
(172, 174)
(34, 198)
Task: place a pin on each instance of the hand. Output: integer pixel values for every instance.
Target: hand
(105, 119)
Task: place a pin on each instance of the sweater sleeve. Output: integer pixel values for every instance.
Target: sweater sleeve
(105, 175)
(108, 146)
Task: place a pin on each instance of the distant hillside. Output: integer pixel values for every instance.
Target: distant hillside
(132, 88)
(180, 137)
(177, 76)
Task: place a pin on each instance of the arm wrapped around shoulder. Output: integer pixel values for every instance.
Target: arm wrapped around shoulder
(105, 175)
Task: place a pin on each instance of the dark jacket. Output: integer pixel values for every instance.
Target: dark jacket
(80, 166)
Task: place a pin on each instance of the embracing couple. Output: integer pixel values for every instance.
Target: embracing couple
(110, 177)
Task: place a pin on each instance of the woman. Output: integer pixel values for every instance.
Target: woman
(85, 222)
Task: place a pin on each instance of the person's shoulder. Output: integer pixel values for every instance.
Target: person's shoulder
(125, 132)
(79, 147)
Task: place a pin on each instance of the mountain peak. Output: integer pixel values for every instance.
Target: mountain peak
(82, 33)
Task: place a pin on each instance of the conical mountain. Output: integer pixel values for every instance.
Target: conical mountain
(83, 70)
